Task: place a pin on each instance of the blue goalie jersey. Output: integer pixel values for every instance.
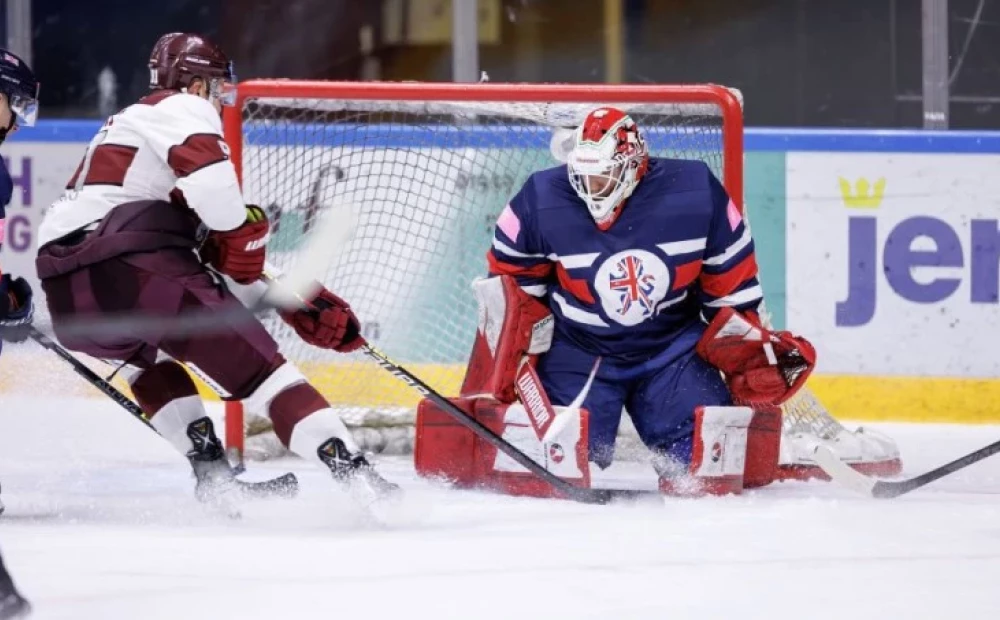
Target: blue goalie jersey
(679, 251)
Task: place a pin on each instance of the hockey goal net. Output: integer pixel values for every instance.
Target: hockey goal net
(428, 168)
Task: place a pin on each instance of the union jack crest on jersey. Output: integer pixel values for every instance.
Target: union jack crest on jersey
(633, 283)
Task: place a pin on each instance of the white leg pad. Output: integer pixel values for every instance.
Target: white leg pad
(720, 448)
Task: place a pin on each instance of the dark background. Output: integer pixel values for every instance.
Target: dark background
(820, 63)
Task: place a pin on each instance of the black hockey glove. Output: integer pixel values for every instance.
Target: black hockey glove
(16, 308)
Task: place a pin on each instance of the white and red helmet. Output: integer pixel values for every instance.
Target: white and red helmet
(608, 159)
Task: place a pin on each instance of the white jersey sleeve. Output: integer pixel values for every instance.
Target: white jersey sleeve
(166, 141)
(187, 135)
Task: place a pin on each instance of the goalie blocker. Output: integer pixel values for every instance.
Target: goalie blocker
(734, 447)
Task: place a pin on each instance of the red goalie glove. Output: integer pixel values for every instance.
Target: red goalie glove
(761, 367)
(328, 324)
(239, 253)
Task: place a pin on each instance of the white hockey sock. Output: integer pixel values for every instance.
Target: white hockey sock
(316, 429)
(172, 420)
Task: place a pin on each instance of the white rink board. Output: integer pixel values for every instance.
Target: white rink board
(905, 288)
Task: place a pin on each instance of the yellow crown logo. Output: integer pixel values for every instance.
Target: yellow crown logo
(862, 197)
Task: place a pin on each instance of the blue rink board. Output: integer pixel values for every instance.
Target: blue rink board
(756, 139)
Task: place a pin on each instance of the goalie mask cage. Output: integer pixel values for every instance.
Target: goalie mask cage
(428, 168)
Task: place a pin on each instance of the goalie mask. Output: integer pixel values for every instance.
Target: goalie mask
(608, 159)
(178, 58)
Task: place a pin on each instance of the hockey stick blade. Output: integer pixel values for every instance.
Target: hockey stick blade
(570, 491)
(283, 486)
(844, 474)
(326, 240)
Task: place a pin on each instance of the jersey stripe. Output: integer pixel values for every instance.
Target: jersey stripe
(689, 246)
(503, 248)
(535, 290)
(666, 303)
(198, 151)
(501, 267)
(109, 165)
(686, 274)
(718, 285)
(747, 295)
(732, 250)
(573, 313)
(574, 286)
(575, 261)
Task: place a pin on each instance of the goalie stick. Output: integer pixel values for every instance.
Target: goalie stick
(282, 485)
(845, 475)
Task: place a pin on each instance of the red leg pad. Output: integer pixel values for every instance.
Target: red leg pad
(763, 447)
(446, 449)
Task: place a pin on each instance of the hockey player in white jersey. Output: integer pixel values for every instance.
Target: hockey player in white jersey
(125, 238)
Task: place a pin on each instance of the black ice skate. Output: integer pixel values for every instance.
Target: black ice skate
(12, 604)
(348, 468)
(215, 478)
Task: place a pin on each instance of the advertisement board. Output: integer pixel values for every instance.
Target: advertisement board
(892, 261)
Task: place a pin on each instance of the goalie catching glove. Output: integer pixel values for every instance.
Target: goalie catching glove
(762, 367)
(326, 322)
(239, 253)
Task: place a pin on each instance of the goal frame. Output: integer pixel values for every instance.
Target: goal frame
(727, 102)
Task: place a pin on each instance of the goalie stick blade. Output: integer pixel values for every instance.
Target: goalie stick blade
(842, 473)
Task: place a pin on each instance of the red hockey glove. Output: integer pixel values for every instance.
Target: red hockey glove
(239, 253)
(329, 324)
(761, 367)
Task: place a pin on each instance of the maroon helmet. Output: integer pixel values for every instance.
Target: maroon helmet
(179, 57)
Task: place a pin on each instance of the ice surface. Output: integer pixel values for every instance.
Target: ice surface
(101, 523)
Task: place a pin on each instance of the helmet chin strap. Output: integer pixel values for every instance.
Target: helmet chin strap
(6, 130)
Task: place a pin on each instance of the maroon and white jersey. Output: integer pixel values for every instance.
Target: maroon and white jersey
(165, 141)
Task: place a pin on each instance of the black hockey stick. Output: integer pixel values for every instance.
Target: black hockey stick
(842, 473)
(285, 484)
(579, 494)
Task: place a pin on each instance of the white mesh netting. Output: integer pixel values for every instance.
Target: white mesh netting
(428, 180)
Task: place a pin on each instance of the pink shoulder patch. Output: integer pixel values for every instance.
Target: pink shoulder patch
(3, 226)
(733, 213)
(509, 224)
